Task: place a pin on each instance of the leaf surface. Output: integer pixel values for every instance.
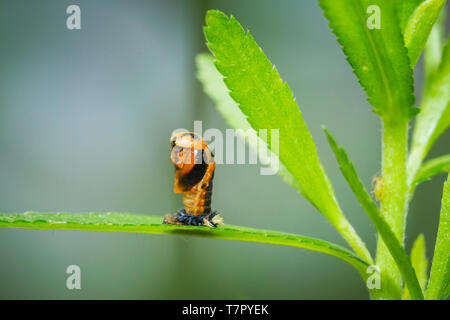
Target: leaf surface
(125, 222)
(378, 57)
(440, 269)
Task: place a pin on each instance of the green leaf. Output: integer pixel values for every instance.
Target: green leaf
(442, 125)
(405, 10)
(447, 293)
(440, 269)
(393, 244)
(434, 117)
(419, 263)
(123, 222)
(433, 167)
(215, 88)
(268, 104)
(378, 56)
(419, 27)
(434, 48)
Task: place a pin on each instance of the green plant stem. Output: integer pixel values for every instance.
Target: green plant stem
(393, 244)
(393, 203)
(350, 235)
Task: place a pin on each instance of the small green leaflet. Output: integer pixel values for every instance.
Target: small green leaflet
(434, 48)
(419, 27)
(433, 167)
(420, 264)
(434, 117)
(440, 269)
(405, 9)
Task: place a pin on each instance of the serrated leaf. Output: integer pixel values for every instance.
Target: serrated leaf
(215, 88)
(440, 269)
(378, 56)
(419, 27)
(268, 104)
(124, 222)
(384, 230)
(433, 167)
(420, 264)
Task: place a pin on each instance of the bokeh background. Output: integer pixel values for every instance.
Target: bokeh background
(85, 118)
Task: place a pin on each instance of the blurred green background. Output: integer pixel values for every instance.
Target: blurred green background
(85, 118)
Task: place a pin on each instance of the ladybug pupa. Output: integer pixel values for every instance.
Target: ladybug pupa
(194, 173)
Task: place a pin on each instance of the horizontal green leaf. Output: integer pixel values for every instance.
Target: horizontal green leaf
(122, 222)
(393, 244)
(268, 104)
(420, 264)
(440, 269)
(377, 56)
(434, 117)
(215, 88)
(419, 27)
(433, 167)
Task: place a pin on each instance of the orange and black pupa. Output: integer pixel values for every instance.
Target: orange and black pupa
(194, 173)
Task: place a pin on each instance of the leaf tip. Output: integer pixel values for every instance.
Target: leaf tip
(420, 242)
(330, 138)
(215, 17)
(215, 20)
(413, 112)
